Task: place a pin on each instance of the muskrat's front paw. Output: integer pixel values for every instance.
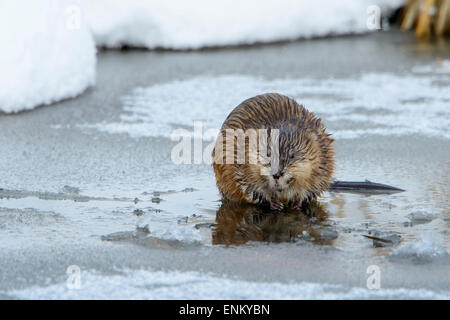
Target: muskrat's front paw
(297, 205)
(275, 205)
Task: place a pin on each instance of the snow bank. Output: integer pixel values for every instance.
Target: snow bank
(46, 55)
(201, 23)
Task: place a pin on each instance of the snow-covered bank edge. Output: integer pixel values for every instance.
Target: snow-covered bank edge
(186, 25)
(47, 55)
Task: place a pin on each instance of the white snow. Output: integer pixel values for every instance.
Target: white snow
(426, 250)
(200, 23)
(164, 225)
(46, 56)
(370, 104)
(148, 284)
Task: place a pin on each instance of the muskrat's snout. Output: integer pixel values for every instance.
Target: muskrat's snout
(280, 180)
(277, 175)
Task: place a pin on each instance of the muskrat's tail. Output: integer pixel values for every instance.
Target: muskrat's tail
(366, 187)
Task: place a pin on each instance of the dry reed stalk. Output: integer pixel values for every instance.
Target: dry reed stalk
(428, 17)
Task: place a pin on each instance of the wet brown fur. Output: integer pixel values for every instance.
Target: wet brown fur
(305, 152)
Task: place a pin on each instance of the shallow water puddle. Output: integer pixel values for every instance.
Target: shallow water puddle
(190, 217)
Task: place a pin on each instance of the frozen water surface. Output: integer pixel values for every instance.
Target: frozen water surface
(140, 284)
(370, 104)
(90, 182)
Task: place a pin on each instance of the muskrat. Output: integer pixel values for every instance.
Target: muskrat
(287, 135)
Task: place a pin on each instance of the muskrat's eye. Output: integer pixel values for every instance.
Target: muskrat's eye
(291, 156)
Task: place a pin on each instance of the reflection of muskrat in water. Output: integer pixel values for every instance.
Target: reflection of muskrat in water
(238, 223)
(304, 155)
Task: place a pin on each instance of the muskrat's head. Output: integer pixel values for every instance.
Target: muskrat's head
(297, 164)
